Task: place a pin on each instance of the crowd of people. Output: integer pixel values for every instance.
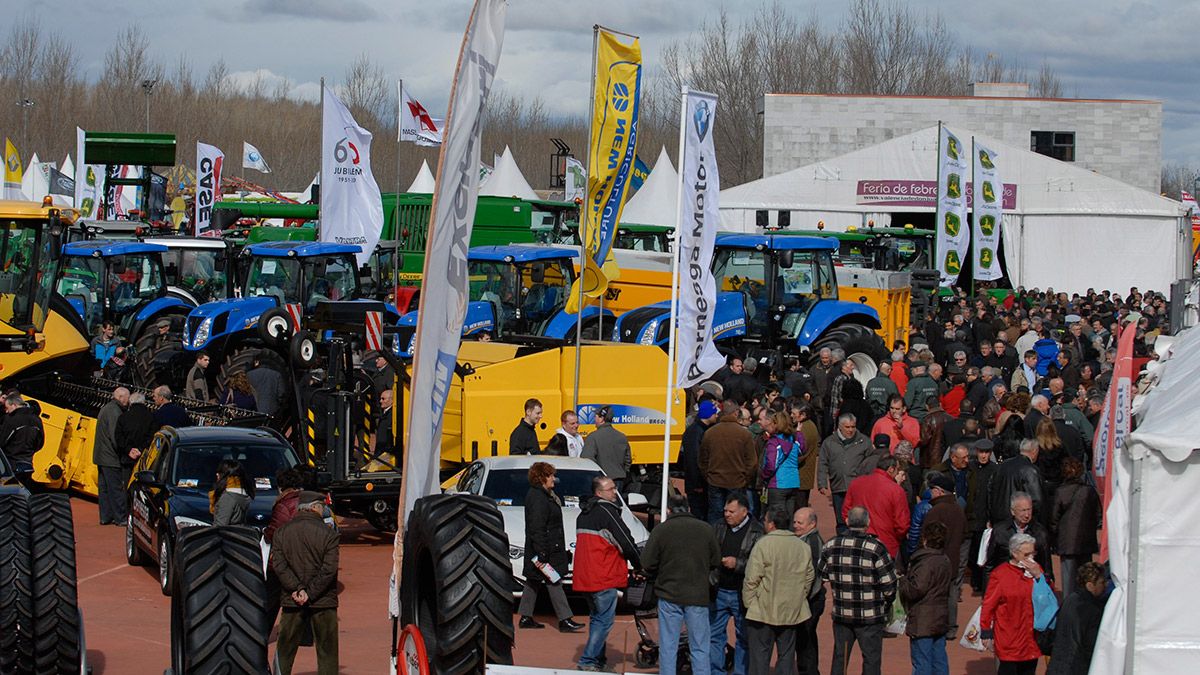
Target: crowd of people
(961, 464)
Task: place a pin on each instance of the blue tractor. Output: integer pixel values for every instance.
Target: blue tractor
(777, 295)
(517, 293)
(122, 282)
(277, 274)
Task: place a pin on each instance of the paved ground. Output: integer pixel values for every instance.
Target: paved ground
(128, 628)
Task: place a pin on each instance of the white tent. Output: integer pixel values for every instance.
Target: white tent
(1150, 623)
(656, 202)
(68, 167)
(506, 180)
(424, 182)
(33, 186)
(1112, 234)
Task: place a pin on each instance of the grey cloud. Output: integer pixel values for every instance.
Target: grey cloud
(350, 11)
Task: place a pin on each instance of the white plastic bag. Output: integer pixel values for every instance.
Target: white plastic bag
(970, 638)
(984, 542)
(898, 620)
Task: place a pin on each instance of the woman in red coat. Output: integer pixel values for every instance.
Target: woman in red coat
(1007, 617)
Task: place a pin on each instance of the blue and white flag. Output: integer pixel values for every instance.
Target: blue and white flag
(699, 190)
(351, 207)
(253, 159)
(444, 291)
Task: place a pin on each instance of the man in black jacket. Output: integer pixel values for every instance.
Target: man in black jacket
(106, 455)
(1078, 623)
(736, 536)
(304, 555)
(689, 458)
(169, 413)
(1020, 522)
(1019, 474)
(804, 525)
(21, 436)
(523, 440)
(135, 430)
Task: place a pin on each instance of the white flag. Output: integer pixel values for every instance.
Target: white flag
(416, 125)
(1189, 202)
(209, 159)
(699, 190)
(574, 180)
(953, 235)
(444, 292)
(988, 200)
(351, 207)
(253, 159)
(89, 180)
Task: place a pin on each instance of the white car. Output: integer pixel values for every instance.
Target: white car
(506, 480)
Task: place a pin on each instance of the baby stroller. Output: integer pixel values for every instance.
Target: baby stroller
(640, 596)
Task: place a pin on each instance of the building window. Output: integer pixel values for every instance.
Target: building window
(1057, 144)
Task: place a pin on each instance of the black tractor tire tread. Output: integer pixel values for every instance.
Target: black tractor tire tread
(242, 360)
(220, 598)
(851, 338)
(16, 586)
(55, 600)
(460, 541)
(145, 355)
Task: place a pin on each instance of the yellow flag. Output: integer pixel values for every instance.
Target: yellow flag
(12, 170)
(612, 151)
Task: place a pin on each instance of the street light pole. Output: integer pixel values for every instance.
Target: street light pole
(148, 86)
(26, 104)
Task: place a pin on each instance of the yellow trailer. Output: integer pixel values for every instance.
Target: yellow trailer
(487, 401)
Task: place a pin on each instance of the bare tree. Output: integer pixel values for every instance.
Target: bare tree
(1177, 178)
(366, 91)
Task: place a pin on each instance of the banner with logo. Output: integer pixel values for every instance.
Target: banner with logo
(351, 207)
(1115, 424)
(987, 210)
(611, 151)
(574, 180)
(953, 236)
(1189, 202)
(89, 180)
(12, 172)
(416, 125)
(699, 189)
(209, 160)
(253, 159)
(444, 293)
(61, 183)
(639, 175)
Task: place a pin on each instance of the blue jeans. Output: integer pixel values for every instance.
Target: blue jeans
(929, 656)
(603, 606)
(728, 606)
(671, 618)
(839, 499)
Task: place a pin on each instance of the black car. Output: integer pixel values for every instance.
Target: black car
(173, 479)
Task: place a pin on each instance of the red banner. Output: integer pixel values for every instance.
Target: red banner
(1115, 424)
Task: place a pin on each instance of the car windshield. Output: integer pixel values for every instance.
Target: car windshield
(195, 466)
(509, 486)
(195, 271)
(278, 278)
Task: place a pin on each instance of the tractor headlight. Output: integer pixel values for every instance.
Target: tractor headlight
(202, 333)
(183, 521)
(648, 333)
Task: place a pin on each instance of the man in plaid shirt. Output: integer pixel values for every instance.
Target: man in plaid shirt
(862, 579)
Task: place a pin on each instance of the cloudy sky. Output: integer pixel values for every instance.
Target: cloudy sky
(1100, 48)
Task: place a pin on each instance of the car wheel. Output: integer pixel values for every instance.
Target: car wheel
(133, 554)
(164, 564)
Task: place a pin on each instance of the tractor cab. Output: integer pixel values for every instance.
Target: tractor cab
(197, 269)
(30, 243)
(524, 287)
(111, 280)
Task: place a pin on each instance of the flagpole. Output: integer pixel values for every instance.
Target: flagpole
(321, 157)
(936, 206)
(396, 207)
(666, 457)
(974, 217)
(582, 226)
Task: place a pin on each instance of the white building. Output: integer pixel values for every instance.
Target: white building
(1119, 139)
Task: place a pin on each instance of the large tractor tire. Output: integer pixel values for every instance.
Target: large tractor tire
(456, 582)
(242, 360)
(16, 586)
(56, 618)
(219, 605)
(861, 345)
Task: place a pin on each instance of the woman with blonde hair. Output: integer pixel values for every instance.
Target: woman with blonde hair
(780, 470)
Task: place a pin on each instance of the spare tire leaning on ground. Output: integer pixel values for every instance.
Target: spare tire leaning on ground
(456, 582)
(219, 604)
(16, 585)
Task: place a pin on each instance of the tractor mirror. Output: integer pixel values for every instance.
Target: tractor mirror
(172, 270)
(147, 479)
(118, 265)
(786, 258)
(537, 274)
(219, 264)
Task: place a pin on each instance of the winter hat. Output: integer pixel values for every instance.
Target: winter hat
(708, 409)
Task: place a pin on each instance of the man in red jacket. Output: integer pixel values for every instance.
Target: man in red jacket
(885, 500)
(604, 549)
